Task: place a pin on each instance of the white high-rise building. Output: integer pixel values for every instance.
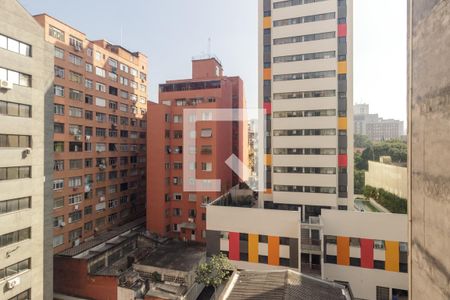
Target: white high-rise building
(306, 74)
(26, 155)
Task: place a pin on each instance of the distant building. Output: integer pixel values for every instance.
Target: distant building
(387, 176)
(26, 156)
(376, 128)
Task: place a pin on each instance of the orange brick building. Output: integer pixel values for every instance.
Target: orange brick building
(100, 105)
(172, 211)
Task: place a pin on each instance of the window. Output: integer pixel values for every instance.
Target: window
(15, 109)
(100, 147)
(15, 269)
(305, 38)
(206, 133)
(76, 164)
(58, 240)
(75, 182)
(133, 72)
(123, 107)
(8, 206)
(75, 77)
(59, 72)
(11, 173)
(15, 77)
(100, 102)
(58, 165)
(59, 53)
(89, 68)
(100, 87)
(100, 72)
(58, 202)
(15, 141)
(382, 293)
(89, 225)
(56, 33)
(75, 95)
(58, 90)
(75, 59)
(75, 234)
(113, 63)
(75, 216)
(207, 167)
(15, 237)
(57, 221)
(113, 203)
(75, 147)
(58, 146)
(98, 55)
(75, 112)
(124, 68)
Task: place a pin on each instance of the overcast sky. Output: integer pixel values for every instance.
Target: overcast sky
(171, 32)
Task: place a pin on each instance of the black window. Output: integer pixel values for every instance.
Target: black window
(262, 259)
(378, 264)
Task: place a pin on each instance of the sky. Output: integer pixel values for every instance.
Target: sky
(171, 32)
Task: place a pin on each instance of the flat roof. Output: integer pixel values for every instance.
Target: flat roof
(102, 238)
(175, 255)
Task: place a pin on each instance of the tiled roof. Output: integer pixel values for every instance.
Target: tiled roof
(102, 238)
(283, 285)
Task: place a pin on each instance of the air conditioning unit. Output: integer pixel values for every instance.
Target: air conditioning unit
(76, 207)
(69, 220)
(62, 224)
(88, 138)
(13, 283)
(191, 220)
(6, 85)
(102, 198)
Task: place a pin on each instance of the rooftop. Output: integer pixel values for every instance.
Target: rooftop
(175, 255)
(103, 238)
(281, 285)
(238, 196)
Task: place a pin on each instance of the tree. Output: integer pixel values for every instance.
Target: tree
(360, 162)
(214, 272)
(359, 181)
(361, 141)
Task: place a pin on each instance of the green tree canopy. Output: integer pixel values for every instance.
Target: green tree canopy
(361, 141)
(215, 271)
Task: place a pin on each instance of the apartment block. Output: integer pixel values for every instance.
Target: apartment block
(306, 88)
(173, 210)
(429, 139)
(99, 134)
(26, 93)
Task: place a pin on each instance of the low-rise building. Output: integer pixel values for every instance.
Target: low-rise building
(390, 177)
(358, 249)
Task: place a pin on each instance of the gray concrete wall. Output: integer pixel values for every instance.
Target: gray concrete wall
(429, 111)
(15, 22)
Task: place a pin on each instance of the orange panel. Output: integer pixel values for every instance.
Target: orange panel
(268, 191)
(267, 22)
(342, 123)
(268, 159)
(343, 250)
(253, 248)
(274, 251)
(392, 262)
(267, 74)
(342, 67)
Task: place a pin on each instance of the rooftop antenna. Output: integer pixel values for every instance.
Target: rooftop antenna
(209, 47)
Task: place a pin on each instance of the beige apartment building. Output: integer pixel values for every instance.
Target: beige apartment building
(306, 88)
(99, 135)
(26, 155)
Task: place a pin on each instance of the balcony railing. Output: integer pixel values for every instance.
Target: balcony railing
(311, 269)
(311, 244)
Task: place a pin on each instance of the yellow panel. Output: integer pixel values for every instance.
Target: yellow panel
(342, 123)
(342, 67)
(267, 74)
(268, 159)
(392, 262)
(267, 22)
(274, 250)
(343, 250)
(253, 248)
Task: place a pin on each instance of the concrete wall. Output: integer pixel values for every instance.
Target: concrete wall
(429, 108)
(15, 22)
(391, 178)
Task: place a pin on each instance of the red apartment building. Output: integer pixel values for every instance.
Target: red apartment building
(171, 211)
(100, 105)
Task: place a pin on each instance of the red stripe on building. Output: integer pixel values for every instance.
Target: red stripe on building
(233, 246)
(268, 108)
(366, 253)
(342, 160)
(342, 30)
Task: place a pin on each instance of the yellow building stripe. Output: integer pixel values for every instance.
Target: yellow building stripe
(268, 159)
(267, 74)
(342, 123)
(267, 22)
(253, 248)
(392, 260)
(342, 67)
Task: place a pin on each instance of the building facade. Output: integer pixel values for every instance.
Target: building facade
(99, 134)
(374, 127)
(172, 210)
(26, 105)
(428, 205)
(306, 88)
(392, 178)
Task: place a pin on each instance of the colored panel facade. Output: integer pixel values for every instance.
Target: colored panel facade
(253, 248)
(342, 67)
(343, 250)
(273, 251)
(342, 123)
(342, 30)
(233, 247)
(268, 159)
(267, 22)
(366, 253)
(267, 74)
(268, 108)
(392, 252)
(342, 160)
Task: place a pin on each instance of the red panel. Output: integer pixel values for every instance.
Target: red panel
(342, 160)
(233, 246)
(268, 107)
(366, 253)
(342, 30)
